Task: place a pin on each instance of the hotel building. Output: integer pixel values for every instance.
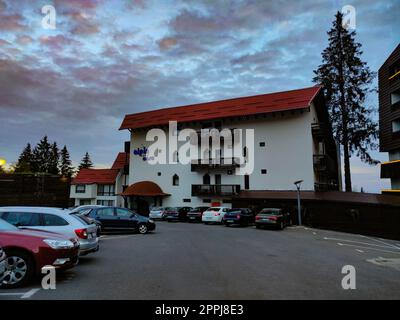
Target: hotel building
(292, 141)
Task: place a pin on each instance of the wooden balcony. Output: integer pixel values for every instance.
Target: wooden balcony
(323, 162)
(215, 189)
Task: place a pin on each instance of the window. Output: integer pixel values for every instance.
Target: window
(80, 188)
(247, 182)
(262, 144)
(84, 202)
(227, 201)
(106, 212)
(206, 200)
(22, 218)
(159, 174)
(107, 203)
(51, 220)
(395, 98)
(187, 200)
(396, 126)
(175, 180)
(206, 179)
(263, 171)
(106, 190)
(124, 213)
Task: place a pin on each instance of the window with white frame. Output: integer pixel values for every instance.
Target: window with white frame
(80, 188)
(106, 190)
(107, 203)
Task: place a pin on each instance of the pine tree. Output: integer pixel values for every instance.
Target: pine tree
(66, 168)
(41, 155)
(54, 159)
(25, 160)
(86, 163)
(346, 79)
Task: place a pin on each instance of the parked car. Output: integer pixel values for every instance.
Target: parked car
(115, 218)
(195, 214)
(157, 213)
(28, 251)
(177, 214)
(54, 220)
(273, 217)
(238, 216)
(82, 211)
(214, 215)
(2, 264)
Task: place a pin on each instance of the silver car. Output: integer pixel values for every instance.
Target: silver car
(157, 213)
(54, 220)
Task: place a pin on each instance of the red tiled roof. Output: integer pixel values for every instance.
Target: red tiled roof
(260, 104)
(99, 176)
(121, 160)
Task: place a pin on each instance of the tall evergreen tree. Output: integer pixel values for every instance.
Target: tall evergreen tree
(346, 79)
(25, 160)
(54, 159)
(86, 162)
(41, 156)
(66, 168)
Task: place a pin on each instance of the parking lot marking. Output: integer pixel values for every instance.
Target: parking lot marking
(11, 294)
(360, 242)
(359, 250)
(388, 244)
(117, 237)
(30, 293)
(369, 248)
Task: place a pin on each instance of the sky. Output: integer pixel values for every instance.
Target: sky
(108, 58)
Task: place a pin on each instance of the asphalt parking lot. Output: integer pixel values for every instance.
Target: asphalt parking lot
(195, 261)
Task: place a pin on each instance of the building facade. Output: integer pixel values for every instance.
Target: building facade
(389, 119)
(292, 141)
(101, 186)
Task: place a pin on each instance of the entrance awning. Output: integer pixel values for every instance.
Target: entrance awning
(144, 189)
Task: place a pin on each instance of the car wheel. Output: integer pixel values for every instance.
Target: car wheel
(142, 228)
(20, 269)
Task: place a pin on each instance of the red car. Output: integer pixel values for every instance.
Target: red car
(28, 251)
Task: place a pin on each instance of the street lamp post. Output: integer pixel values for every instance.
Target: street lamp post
(298, 185)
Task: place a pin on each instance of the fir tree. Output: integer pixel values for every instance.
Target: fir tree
(41, 155)
(25, 160)
(86, 162)
(66, 168)
(346, 79)
(54, 159)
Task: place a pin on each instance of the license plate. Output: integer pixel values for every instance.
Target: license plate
(192, 218)
(2, 267)
(230, 221)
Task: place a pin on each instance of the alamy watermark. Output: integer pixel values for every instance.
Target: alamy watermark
(349, 17)
(206, 146)
(49, 20)
(349, 280)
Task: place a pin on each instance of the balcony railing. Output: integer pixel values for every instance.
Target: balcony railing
(323, 162)
(319, 130)
(215, 189)
(220, 163)
(325, 186)
(390, 169)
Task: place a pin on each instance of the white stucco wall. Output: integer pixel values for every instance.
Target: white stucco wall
(287, 156)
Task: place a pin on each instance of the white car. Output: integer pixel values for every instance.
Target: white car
(157, 213)
(54, 220)
(214, 214)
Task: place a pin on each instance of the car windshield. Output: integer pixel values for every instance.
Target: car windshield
(171, 209)
(157, 209)
(5, 226)
(214, 209)
(270, 211)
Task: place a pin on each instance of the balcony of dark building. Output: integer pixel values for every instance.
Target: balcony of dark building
(320, 131)
(325, 171)
(394, 72)
(390, 169)
(215, 189)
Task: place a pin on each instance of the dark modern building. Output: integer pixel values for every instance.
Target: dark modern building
(389, 118)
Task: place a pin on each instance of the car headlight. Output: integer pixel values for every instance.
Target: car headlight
(151, 221)
(59, 244)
